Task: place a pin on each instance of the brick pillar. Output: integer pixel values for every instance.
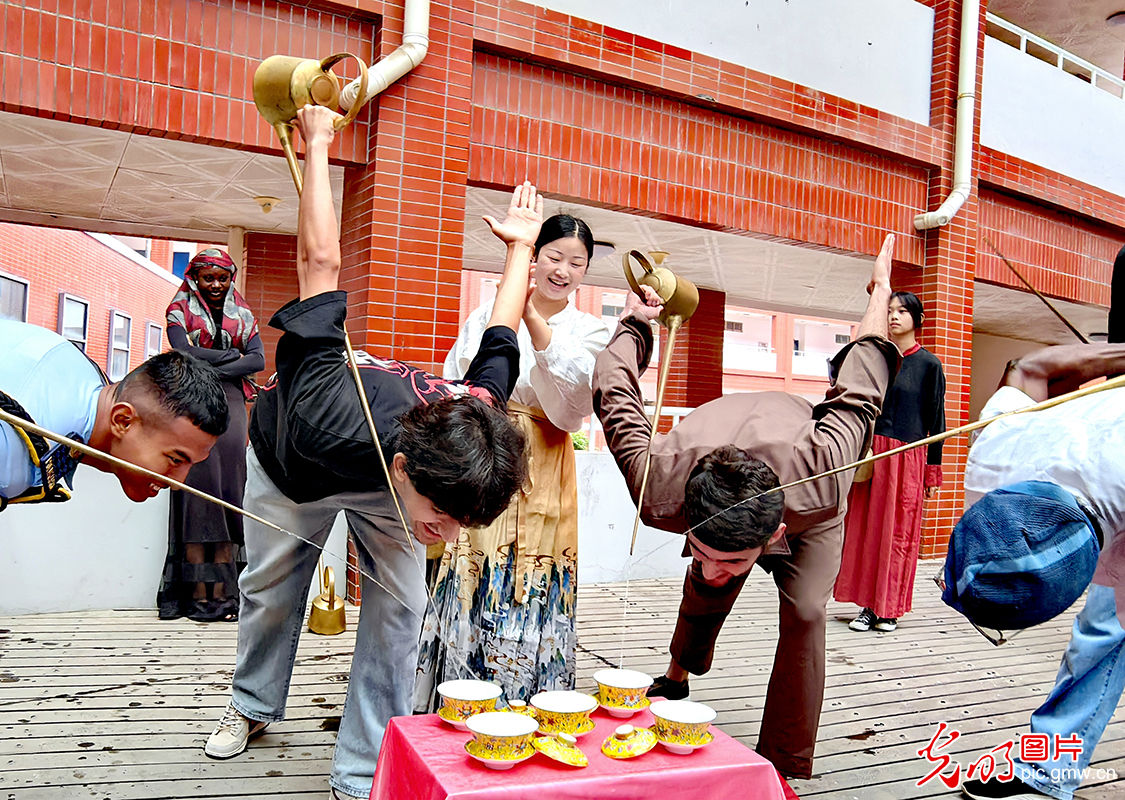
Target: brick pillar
(270, 282)
(403, 215)
(696, 372)
(945, 283)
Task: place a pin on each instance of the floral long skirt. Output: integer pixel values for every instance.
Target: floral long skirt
(504, 597)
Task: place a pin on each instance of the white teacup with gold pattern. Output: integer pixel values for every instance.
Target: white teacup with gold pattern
(463, 699)
(681, 725)
(501, 738)
(564, 712)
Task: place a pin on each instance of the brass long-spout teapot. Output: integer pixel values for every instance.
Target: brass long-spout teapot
(285, 84)
(679, 295)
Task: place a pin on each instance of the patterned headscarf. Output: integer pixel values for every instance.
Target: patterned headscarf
(190, 311)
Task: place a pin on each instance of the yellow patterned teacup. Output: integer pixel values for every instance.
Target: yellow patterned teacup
(622, 688)
(463, 699)
(682, 721)
(501, 735)
(563, 712)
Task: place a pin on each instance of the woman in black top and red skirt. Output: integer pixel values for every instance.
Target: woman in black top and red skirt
(884, 521)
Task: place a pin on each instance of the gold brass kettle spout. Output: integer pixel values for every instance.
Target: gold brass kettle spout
(285, 84)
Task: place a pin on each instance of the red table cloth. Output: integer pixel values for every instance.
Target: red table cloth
(423, 758)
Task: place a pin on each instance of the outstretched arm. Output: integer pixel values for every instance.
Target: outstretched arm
(1057, 370)
(875, 317)
(519, 231)
(318, 236)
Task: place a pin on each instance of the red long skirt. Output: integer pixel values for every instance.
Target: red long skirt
(881, 533)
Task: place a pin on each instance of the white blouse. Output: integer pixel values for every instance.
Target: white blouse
(557, 379)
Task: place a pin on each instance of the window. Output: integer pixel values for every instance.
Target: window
(179, 263)
(13, 298)
(120, 328)
(154, 340)
(612, 311)
(842, 338)
(735, 327)
(73, 317)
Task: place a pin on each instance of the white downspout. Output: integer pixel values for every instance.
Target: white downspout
(963, 137)
(408, 55)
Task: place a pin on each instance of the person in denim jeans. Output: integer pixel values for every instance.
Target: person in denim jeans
(1078, 446)
(453, 458)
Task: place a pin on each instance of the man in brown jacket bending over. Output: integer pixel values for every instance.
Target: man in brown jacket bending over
(730, 450)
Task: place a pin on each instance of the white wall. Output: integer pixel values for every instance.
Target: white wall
(990, 355)
(873, 52)
(1041, 114)
(98, 550)
(605, 526)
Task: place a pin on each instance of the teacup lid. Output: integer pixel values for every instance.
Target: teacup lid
(563, 749)
(629, 742)
(501, 723)
(469, 690)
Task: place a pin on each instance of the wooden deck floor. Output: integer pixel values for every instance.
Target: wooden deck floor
(117, 705)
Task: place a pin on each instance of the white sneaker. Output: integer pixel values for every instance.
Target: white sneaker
(232, 733)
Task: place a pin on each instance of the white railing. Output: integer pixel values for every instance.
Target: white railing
(593, 425)
(1040, 48)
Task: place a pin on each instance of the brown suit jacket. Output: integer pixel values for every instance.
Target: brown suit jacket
(788, 433)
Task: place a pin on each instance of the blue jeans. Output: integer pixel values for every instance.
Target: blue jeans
(275, 586)
(1086, 693)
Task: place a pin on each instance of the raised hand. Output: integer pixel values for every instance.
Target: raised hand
(648, 307)
(317, 124)
(881, 272)
(525, 216)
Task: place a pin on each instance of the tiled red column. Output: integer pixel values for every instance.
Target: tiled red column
(271, 282)
(403, 215)
(696, 373)
(945, 283)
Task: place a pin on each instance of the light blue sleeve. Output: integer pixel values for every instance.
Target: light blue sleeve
(16, 472)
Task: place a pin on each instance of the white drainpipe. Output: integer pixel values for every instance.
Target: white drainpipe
(415, 43)
(963, 137)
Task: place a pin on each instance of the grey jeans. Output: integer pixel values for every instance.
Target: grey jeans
(274, 588)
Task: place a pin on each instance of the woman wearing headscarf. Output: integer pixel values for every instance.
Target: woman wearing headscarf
(209, 319)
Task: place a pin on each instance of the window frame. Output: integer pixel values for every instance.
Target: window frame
(111, 345)
(60, 325)
(26, 291)
(149, 327)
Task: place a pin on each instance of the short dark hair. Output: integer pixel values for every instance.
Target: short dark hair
(726, 476)
(912, 304)
(182, 385)
(564, 226)
(465, 456)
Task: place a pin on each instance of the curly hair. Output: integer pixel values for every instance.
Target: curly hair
(714, 495)
(465, 456)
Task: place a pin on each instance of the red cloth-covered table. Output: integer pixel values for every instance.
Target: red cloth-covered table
(424, 759)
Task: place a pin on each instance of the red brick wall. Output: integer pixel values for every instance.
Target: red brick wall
(695, 375)
(54, 261)
(271, 282)
(139, 65)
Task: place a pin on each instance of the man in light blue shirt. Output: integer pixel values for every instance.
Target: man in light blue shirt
(165, 415)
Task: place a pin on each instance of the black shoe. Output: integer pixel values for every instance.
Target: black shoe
(1014, 789)
(668, 689)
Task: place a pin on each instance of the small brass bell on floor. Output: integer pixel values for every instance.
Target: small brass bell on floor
(327, 614)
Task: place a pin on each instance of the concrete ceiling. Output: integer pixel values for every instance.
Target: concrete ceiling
(1075, 25)
(80, 176)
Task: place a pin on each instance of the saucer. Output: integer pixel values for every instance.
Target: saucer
(685, 749)
(495, 763)
(624, 712)
(449, 719)
(586, 728)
